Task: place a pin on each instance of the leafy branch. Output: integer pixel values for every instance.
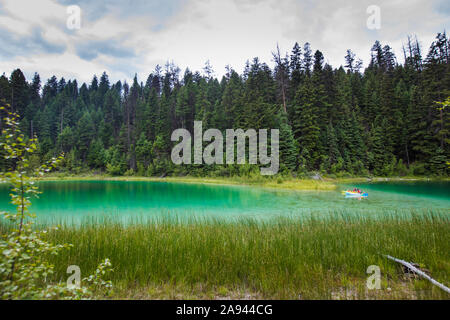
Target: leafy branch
(24, 269)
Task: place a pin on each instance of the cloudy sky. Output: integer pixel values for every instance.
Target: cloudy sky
(124, 37)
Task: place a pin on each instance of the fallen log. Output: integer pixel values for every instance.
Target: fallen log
(419, 272)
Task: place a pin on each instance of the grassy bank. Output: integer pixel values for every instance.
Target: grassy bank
(313, 259)
(279, 183)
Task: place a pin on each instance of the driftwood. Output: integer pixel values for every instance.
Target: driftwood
(419, 272)
(411, 273)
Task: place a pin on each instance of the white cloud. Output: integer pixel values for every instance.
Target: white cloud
(224, 32)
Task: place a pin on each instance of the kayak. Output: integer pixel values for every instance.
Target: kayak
(355, 194)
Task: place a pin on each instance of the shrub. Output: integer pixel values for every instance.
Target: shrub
(114, 170)
(402, 169)
(24, 251)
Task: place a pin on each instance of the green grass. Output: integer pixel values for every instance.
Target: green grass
(267, 182)
(280, 259)
(273, 182)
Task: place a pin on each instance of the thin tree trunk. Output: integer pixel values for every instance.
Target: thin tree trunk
(282, 74)
(22, 207)
(407, 153)
(442, 128)
(61, 122)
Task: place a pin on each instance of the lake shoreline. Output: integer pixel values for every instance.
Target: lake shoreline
(284, 183)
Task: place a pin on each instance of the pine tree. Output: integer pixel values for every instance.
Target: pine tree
(305, 125)
(282, 76)
(5, 90)
(66, 140)
(295, 66)
(19, 92)
(85, 134)
(231, 100)
(438, 162)
(288, 145)
(307, 58)
(333, 154)
(96, 154)
(143, 151)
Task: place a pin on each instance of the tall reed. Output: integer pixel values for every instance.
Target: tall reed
(279, 258)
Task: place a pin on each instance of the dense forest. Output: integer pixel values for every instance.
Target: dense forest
(383, 120)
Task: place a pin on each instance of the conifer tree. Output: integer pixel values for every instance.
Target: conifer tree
(306, 129)
(288, 144)
(331, 119)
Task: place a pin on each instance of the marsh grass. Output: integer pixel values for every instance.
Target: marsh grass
(283, 258)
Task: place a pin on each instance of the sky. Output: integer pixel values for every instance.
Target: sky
(125, 37)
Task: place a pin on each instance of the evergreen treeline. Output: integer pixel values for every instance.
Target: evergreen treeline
(383, 120)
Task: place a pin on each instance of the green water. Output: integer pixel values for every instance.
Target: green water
(77, 200)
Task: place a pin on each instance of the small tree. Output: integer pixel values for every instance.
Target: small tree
(23, 249)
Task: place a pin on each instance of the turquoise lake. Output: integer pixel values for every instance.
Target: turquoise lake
(75, 201)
